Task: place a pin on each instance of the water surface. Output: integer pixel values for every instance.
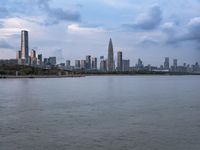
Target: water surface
(100, 113)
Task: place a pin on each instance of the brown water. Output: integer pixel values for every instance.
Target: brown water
(101, 113)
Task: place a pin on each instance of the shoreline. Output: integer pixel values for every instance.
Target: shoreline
(85, 75)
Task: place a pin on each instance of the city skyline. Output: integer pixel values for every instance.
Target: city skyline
(71, 30)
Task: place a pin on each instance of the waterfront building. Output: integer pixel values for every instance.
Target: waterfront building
(125, 65)
(166, 63)
(88, 62)
(103, 65)
(110, 60)
(24, 46)
(139, 65)
(68, 64)
(77, 64)
(18, 55)
(119, 61)
(83, 64)
(40, 59)
(94, 63)
(52, 61)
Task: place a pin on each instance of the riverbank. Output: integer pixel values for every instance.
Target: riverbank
(39, 76)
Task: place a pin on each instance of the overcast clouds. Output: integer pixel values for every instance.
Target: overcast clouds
(144, 29)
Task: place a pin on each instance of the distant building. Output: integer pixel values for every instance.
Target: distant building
(18, 55)
(40, 59)
(33, 59)
(103, 65)
(46, 61)
(52, 61)
(139, 65)
(94, 63)
(166, 63)
(77, 64)
(175, 65)
(125, 65)
(119, 61)
(110, 60)
(88, 62)
(24, 46)
(83, 64)
(68, 64)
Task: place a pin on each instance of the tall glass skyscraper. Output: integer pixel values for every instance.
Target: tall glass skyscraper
(110, 61)
(24, 45)
(119, 61)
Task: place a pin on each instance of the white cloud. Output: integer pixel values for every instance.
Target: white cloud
(78, 28)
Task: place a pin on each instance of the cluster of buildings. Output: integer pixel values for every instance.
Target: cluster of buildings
(24, 57)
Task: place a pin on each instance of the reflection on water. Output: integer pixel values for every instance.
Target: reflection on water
(99, 113)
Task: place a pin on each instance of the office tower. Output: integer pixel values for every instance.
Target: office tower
(68, 64)
(33, 53)
(166, 63)
(40, 59)
(94, 63)
(175, 63)
(52, 61)
(77, 64)
(88, 62)
(140, 64)
(119, 61)
(33, 59)
(83, 64)
(110, 60)
(24, 46)
(103, 65)
(18, 55)
(125, 65)
(46, 61)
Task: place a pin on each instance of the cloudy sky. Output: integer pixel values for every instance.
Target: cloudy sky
(150, 30)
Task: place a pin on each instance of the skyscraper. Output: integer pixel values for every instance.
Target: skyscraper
(18, 55)
(77, 64)
(68, 64)
(110, 61)
(88, 62)
(119, 61)
(94, 63)
(166, 63)
(24, 45)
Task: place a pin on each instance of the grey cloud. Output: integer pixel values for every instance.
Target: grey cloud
(191, 33)
(24, 8)
(4, 12)
(5, 44)
(148, 21)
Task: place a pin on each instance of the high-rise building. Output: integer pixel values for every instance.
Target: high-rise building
(40, 59)
(125, 65)
(18, 55)
(88, 62)
(46, 61)
(33, 53)
(33, 59)
(68, 64)
(77, 64)
(103, 65)
(119, 61)
(110, 60)
(166, 63)
(83, 64)
(24, 45)
(94, 63)
(52, 61)
(140, 64)
(175, 63)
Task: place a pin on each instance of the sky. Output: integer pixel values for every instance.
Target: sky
(150, 30)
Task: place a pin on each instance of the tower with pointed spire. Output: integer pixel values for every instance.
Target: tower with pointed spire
(110, 61)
